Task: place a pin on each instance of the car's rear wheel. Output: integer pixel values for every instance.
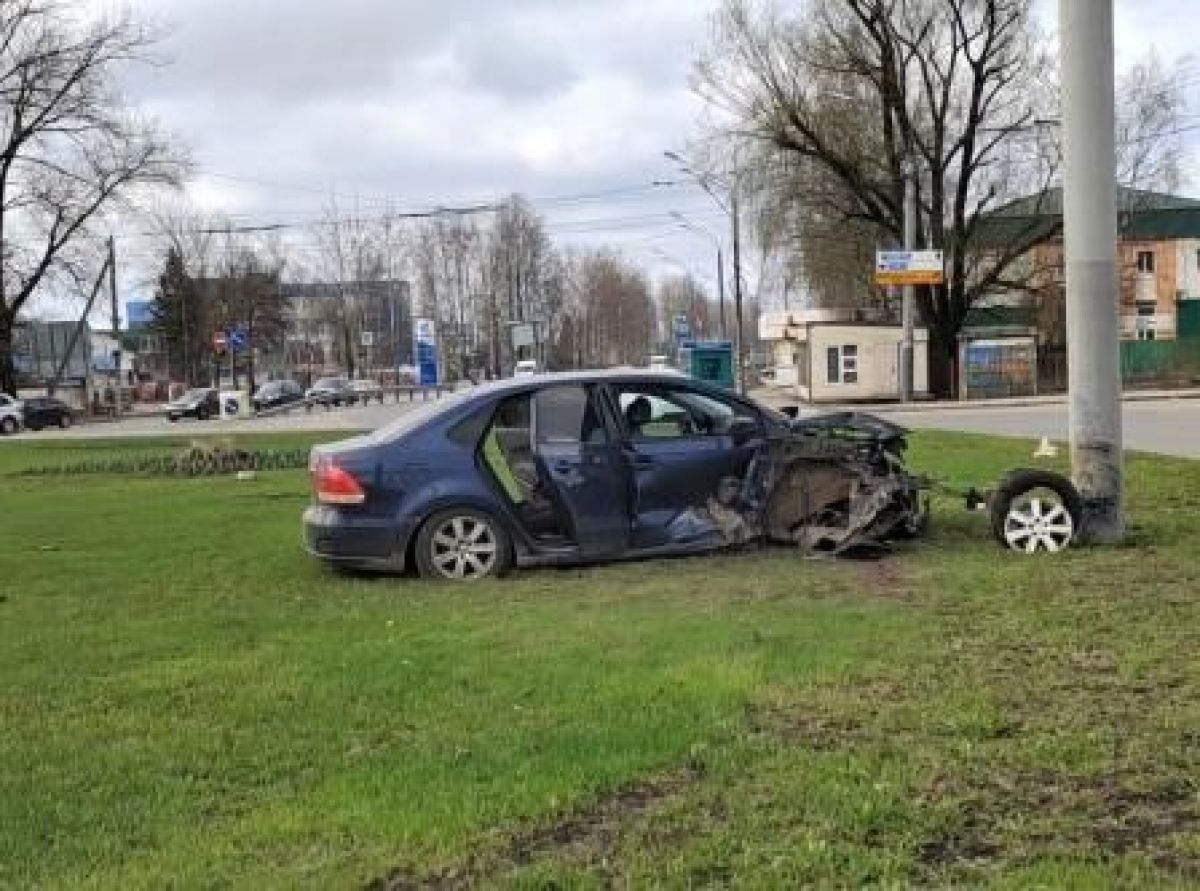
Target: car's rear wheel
(463, 545)
(8, 426)
(64, 421)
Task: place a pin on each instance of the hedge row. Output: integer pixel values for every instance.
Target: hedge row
(196, 461)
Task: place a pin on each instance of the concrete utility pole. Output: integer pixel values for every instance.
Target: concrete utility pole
(739, 375)
(116, 318)
(907, 308)
(1090, 240)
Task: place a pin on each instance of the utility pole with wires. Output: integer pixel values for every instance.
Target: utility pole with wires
(1090, 246)
(908, 299)
(116, 319)
(730, 205)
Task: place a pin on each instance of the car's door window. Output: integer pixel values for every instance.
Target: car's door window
(508, 449)
(651, 412)
(567, 415)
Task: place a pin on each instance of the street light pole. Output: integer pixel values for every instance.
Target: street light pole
(731, 210)
(701, 230)
(739, 332)
(907, 308)
(1090, 239)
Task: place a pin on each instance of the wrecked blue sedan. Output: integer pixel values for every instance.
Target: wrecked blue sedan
(593, 466)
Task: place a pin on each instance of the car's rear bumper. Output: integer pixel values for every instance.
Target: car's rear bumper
(351, 540)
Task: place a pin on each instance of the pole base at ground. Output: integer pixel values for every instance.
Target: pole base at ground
(1097, 475)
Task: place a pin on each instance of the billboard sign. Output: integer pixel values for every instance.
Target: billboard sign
(524, 335)
(909, 268)
(425, 335)
(140, 314)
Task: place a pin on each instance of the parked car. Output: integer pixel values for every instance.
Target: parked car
(201, 403)
(365, 390)
(46, 411)
(331, 391)
(274, 394)
(525, 368)
(10, 414)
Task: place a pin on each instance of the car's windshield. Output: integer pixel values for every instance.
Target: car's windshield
(328, 383)
(194, 395)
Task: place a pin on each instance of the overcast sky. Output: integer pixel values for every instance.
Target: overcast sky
(417, 103)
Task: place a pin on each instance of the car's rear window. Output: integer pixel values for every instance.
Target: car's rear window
(414, 418)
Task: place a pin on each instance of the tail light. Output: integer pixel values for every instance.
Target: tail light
(333, 484)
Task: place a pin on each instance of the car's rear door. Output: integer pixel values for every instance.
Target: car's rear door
(582, 464)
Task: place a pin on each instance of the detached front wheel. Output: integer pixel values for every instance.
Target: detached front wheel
(1036, 511)
(462, 545)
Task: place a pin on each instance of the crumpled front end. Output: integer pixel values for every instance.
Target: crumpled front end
(834, 484)
(840, 487)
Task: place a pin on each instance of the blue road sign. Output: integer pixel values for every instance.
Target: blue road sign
(238, 339)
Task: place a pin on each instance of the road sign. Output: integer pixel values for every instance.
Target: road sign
(238, 339)
(425, 335)
(681, 328)
(909, 268)
(368, 338)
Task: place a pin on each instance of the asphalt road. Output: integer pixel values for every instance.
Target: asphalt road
(1166, 426)
(357, 418)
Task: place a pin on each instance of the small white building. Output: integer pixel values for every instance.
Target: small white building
(831, 355)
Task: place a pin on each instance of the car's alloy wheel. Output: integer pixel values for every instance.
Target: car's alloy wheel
(8, 426)
(463, 546)
(64, 421)
(1040, 522)
(1036, 511)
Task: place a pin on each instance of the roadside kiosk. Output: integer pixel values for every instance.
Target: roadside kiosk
(710, 361)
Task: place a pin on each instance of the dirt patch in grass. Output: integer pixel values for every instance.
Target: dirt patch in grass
(589, 837)
(884, 576)
(1109, 815)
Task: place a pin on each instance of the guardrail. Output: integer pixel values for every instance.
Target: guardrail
(397, 394)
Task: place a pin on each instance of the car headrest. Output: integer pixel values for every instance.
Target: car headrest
(638, 412)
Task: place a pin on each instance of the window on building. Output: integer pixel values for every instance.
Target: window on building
(1146, 319)
(802, 363)
(842, 364)
(1145, 261)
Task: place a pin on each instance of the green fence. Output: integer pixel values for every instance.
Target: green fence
(1188, 319)
(1147, 361)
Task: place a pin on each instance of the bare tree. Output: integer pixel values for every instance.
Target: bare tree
(521, 260)
(827, 107)
(609, 311)
(70, 147)
(682, 295)
(856, 89)
(1151, 100)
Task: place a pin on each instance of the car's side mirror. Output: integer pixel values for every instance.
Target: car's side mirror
(792, 411)
(742, 430)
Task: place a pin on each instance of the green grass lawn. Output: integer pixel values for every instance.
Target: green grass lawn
(186, 700)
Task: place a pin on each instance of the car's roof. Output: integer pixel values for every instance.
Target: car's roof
(600, 375)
